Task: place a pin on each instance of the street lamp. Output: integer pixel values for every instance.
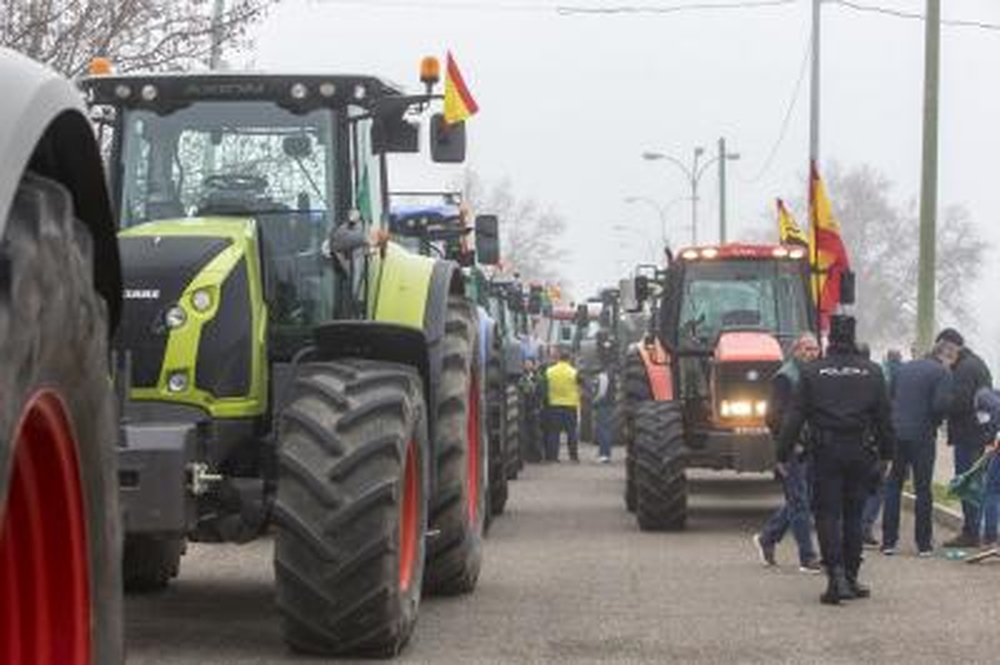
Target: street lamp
(693, 175)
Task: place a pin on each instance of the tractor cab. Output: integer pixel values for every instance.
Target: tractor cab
(727, 317)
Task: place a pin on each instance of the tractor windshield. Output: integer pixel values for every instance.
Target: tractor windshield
(226, 158)
(767, 295)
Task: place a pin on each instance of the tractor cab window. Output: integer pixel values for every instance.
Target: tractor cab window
(243, 159)
(766, 295)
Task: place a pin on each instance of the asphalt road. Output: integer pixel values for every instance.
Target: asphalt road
(568, 578)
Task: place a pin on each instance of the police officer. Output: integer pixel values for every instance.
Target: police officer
(843, 399)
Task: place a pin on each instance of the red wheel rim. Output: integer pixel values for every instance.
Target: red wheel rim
(473, 438)
(44, 577)
(409, 517)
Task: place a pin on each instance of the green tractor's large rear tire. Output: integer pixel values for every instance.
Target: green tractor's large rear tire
(351, 508)
(60, 545)
(150, 562)
(661, 486)
(495, 433)
(632, 390)
(458, 503)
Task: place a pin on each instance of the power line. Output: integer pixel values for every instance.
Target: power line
(655, 9)
(899, 13)
(562, 9)
(786, 122)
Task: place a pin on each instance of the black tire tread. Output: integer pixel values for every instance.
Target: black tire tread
(341, 455)
(454, 554)
(661, 486)
(54, 333)
(633, 389)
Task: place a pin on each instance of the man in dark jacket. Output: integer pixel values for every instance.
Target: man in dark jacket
(794, 475)
(965, 435)
(843, 400)
(921, 398)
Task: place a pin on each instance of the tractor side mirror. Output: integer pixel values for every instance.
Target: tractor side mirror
(629, 303)
(488, 239)
(447, 141)
(848, 288)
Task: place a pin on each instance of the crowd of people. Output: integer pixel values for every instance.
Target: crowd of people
(849, 433)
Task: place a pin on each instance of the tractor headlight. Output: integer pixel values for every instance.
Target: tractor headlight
(761, 408)
(739, 409)
(175, 317)
(177, 382)
(201, 300)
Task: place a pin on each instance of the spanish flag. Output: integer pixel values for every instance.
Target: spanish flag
(789, 232)
(458, 102)
(829, 254)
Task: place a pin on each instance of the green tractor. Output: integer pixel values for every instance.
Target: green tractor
(285, 363)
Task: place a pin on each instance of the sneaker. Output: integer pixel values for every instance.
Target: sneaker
(925, 554)
(888, 550)
(963, 540)
(766, 552)
(813, 567)
(603, 459)
(870, 542)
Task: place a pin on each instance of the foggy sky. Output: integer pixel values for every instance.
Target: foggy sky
(570, 102)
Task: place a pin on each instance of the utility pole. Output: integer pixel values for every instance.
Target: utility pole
(722, 190)
(814, 86)
(698, 152)
(928, 188)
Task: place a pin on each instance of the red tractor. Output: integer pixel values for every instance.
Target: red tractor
(696, 387)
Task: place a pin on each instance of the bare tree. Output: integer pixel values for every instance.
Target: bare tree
(531, 236)
(882, 239)
(134, 34)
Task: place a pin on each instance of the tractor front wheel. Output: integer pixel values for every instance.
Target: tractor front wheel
(661, 487)
(351, 508)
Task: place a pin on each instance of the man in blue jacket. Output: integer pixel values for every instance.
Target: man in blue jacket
(920, 400)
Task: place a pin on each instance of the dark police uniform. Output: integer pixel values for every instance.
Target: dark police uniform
(843, 399)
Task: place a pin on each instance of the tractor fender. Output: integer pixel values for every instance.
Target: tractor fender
(656, 360)
(44, 127)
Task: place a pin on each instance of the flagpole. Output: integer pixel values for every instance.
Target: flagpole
(814, 116)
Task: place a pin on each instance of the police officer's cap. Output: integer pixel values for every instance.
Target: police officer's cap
(842, 329)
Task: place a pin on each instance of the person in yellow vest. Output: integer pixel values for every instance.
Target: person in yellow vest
(562, 405)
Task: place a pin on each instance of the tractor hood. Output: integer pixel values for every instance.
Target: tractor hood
(189, 317)
(748, 346)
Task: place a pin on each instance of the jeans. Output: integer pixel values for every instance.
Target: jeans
(842, 472)
(991, 500)
(919, 456)
(604, 415)
(794, 514)
(965, 457)
(560, 419)
(873, 506)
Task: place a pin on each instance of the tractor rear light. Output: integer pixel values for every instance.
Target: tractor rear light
(177, 382)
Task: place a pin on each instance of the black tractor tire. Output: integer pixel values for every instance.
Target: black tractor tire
(54, 341)
(512, 432)
(150, 562)
(351, 508)
(458, 501)
(661, 486)
(495, 434)
(633, 389)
